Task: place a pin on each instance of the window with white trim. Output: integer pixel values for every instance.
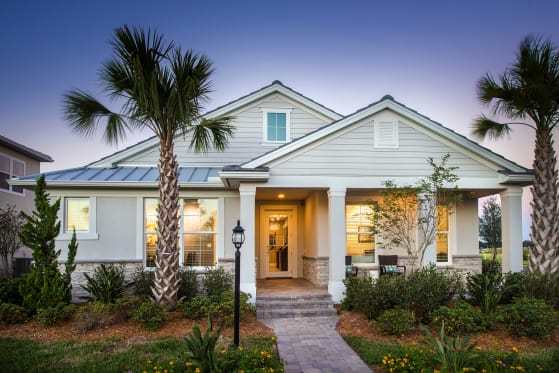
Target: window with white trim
(76, 214)
(276, 126)
(10, 168)
(386, 134)
(198, 231)
(360, 236)
(442, 238)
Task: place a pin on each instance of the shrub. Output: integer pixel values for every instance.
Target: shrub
(142, 281)
(452, 354)
(400, 364)
(256, 355)
(150, 314)
(358, 292)
(53, 315)
(96, 314)
(216, 282)
(396, 321)
(530, 317)
(189, 284)
(460, 319)
(12, 314)
(107, 283)
(533, 285)
(485, 290)
(9, 291)
(219, 310)
(201, 348)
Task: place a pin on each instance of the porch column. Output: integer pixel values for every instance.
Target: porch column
(423, 202)
(247, 217)
(511, 227)
(336, 235)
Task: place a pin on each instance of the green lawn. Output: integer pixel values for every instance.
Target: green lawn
(487, 254)
(20, 355)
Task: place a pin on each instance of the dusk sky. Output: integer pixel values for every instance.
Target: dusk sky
(428, 55)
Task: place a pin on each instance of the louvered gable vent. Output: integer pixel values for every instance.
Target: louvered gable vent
(386, 134)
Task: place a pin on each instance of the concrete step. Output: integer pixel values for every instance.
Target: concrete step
(292, 313)
(265, 305)
(293, 298)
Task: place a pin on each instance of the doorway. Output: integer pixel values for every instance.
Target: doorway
(278, 240)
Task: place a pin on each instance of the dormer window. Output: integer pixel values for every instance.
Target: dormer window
(276, 126)
(386, 134)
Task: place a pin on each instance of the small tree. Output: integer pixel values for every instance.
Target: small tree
(45, 286)
(11, 222)
(490, 225)
(407, 215)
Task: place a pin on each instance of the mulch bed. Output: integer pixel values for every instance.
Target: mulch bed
(356, 324)
(176, 326)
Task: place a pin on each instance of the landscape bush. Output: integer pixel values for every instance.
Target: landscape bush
(150, 314)
(529, 317)
(189, 284)
(396, 321)
(12, 314)
(53, 315)
(142, 281)
(93, 315)
(421, 292)
(485, 290)
(459, 319)
(9, 291)
(537, 285)
(220, 309)
(107, 284)
(216, 282)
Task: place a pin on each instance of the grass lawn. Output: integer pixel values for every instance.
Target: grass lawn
(487, 254)
(112, 355)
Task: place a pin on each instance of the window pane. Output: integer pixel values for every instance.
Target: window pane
(4, 164)
(276, 126)
(19, 168)
(200, 215)
(151, 249)
(442, 218)
(442, 234)
(77, 214)
(280, 119)
(360, 239)
(4, 181)
(199, 249)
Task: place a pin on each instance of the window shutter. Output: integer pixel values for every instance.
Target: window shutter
(386, 134)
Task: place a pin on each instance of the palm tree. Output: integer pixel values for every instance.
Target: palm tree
(160, 88)
(527, 93)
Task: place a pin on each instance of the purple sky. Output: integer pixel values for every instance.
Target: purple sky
(428, 55)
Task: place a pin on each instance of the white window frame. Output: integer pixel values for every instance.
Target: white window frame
(219, 232)
(89, 235)
(11, 174)
(265, 113)
(395, 133)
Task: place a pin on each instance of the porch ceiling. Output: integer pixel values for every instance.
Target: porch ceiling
(289, 194)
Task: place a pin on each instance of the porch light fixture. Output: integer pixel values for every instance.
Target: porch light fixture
(281, 196)
(238, 239)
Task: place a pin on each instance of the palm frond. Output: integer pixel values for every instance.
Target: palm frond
(210, 133)
(484, 127)
(85, 114)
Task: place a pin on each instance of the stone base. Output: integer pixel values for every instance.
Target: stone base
(466, 263)
(228, 265)
(315, 270)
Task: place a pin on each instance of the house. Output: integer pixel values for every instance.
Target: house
(17, 160)
(301, 178)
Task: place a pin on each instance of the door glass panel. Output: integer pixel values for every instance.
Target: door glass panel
(278, 233)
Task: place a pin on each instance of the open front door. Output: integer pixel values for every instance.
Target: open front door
(278, 240)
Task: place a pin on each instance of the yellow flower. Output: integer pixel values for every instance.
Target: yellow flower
(515, 350)
(197, 370)
(188, 364)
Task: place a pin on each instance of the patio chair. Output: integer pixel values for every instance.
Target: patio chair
(388, 265)
(350, 270)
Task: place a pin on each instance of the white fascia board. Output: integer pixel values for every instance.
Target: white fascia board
(276, 87)
(384, 104)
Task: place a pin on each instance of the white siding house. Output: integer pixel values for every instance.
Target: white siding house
(301, 178)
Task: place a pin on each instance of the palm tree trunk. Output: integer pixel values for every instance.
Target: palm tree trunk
(167, 279)
(545, 219)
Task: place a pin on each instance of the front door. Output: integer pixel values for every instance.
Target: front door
(278, 240)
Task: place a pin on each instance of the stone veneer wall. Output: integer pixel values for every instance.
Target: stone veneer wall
(315, 270)
(228, 264)
(460, 263)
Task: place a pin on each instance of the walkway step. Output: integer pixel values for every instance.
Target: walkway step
(271, 307)
(294, 313)
(286, 304)
(301, 298)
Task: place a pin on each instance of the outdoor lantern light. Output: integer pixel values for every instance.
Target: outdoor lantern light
(238, 239)
(238, 235)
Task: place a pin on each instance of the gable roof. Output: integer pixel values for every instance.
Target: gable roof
(275, 87)
(388, 102)
(22, 149)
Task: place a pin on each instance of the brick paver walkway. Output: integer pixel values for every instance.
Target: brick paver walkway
(312, 344)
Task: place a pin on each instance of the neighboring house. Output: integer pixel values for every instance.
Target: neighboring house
(301, 178)
(17, 160)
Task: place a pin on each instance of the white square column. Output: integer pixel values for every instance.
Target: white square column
(511, 227)
(248, 261)
(337, 237)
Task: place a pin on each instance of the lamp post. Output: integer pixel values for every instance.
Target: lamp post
(238, 239)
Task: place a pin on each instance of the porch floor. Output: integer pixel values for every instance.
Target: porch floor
(287, 287)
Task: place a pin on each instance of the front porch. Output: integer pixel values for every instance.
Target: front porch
(297, 239)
